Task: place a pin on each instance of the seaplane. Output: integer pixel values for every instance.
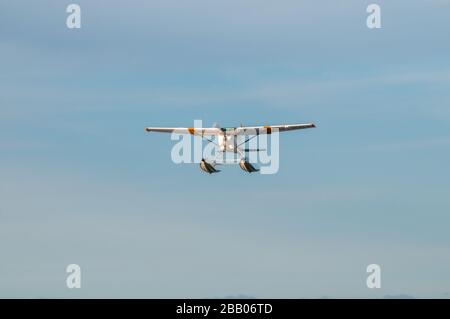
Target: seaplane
(228, 140)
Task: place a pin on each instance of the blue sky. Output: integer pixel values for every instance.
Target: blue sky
(81, 182)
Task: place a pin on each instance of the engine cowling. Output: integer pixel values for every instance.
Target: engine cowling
(207, 167)
(246, 166)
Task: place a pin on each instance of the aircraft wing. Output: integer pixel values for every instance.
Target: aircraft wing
(267, 129)
(200, 131)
